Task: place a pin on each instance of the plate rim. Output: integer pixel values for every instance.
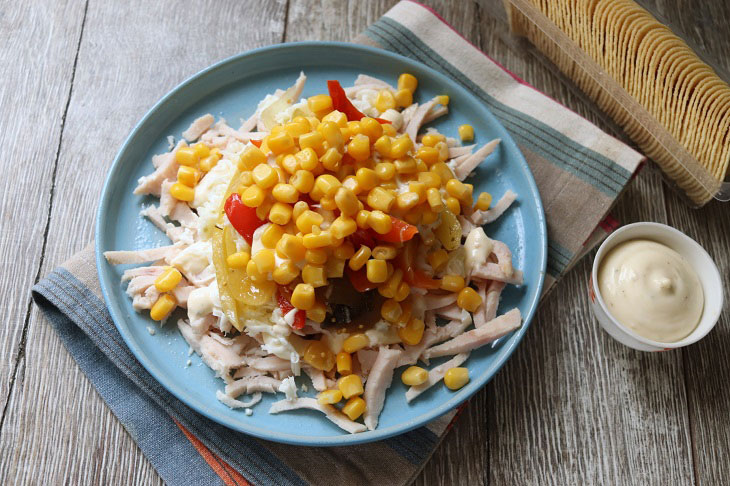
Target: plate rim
(261, 432)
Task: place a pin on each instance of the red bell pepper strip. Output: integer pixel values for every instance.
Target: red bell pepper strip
(341, 102)
(242, 217)
(423, 281)
(400, 232)
(256, 142)
(283, 297)
(362, 237)
(359, 279)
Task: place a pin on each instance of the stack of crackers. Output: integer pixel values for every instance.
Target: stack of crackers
(674, 106)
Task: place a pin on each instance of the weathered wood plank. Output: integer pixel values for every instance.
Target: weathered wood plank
(132, 53)
(572, 405)
(707, 363)
(39, 43)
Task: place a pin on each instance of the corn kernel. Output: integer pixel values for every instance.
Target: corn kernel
(332, 135)
(163, 306)
(437, 258)
(271, 235)
(331, 159)
(343, 227)
(414, 216)
(285, 273)
(430, 179)
(246, 178)
(384, 101)
(400, 147)
(307, 219)
(403, 98)
(442, 100)
(429, 155)
(206, 164)
(412, 333)
(263, 209)
(406, 166)
(455, 378)
(316, 256)
(443, 171)
(428, 216)
(307, 158)
(407, 81)
(358, 260)
(188, 175)
(344, 363)
(288, 162)
(280, 143)
(452, 204)
(303, 296)
(385, 171)
(186, 156)
(291, 247)
(377, 271)
(414, 376)
(201, 150)
(431, 139)
(350, 182)
(314, 276)
(484, 201)
(317, 313)
(327, 185)
(285, 193)
(443, 151)
(329, 397)
(265, 260)
(434, 200)
(299, 208)
(319, 356)
(466, 133)
(383, 145)
(391, 310)
(335, 268)
(353, 128)
(264, 176)
(313, 140)
(350, 386)
(366, 179)
(344, 251)
(354, 408)
(181, 192)
(384, 252)
(379, 222)
(302, 181)
(452, 283)
(252, 270)
(280, 213)
(168, 279)
(404, 290)
(468, 299)
(362, 219)
(390, 287)
(371, 128)
(407, 200)
(317, 241)
(336, 117)
(251, 157)
(355, 342)
(297, 128)
(320, 104)
(359, 147)
(379, 198)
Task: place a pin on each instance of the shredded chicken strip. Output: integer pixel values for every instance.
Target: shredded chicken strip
(379, 380)
(466, 167)
(117, 257)
(480, 218)
(414, 124)
(476, 338)
(233, 403)
(335, 416)
(435, 375)
(492, 271)
(198, 127)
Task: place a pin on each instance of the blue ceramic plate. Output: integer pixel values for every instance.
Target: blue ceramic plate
(232, 89)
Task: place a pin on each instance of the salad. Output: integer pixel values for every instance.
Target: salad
(326, 237)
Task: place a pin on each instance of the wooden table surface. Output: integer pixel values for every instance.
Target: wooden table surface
(572, 406)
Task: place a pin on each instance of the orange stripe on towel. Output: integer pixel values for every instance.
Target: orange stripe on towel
(230, 476)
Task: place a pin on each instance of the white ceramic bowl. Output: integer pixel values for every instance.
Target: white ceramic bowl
(695, 255)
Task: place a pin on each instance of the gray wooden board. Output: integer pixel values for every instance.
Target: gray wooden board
(572, 406)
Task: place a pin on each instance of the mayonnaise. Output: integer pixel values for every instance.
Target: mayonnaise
(651, 289)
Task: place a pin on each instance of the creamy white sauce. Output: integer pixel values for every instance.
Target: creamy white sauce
(194, 259)
(478, 246)
(289, 388)
(651, 289)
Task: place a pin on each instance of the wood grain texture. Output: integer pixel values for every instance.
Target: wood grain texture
(571, 406)
(39, 44)
(132, 53)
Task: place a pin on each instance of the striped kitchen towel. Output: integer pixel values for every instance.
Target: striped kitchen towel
(579, 171)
